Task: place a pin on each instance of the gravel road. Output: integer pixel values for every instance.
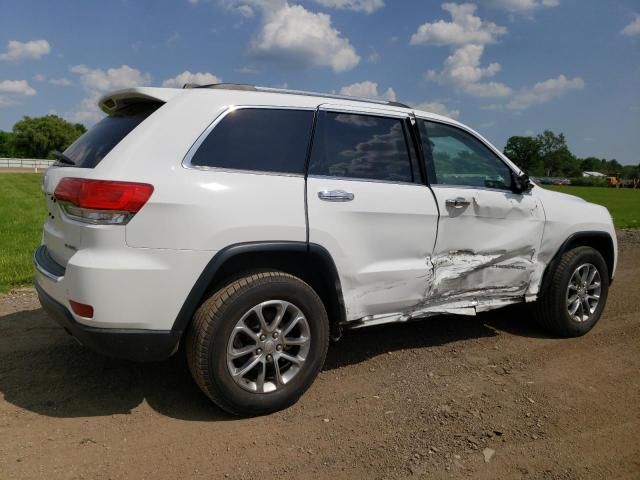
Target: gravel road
(489, 397)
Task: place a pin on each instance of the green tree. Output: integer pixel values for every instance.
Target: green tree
(553, 152)
(38, 137)
(6, 144)
(525, 152)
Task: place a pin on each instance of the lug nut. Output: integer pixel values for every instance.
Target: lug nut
(259, 351)
(279, 348)
(269, 357)
(275, 334)
(263, 337)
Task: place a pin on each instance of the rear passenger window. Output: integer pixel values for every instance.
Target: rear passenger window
(360, 146)
(260, 139)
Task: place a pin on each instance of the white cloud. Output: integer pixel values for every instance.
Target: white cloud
(245, 10)
(111, 79)
(520, 5)
(201, 78)
(61, 82)
(367, 6)
(33, 49)
(438, 108)
(293, 36)
(462, 69)
(464, 28)
(17, 87)
(97, 82)
(368, 89)
(633, 28)
(544, 91)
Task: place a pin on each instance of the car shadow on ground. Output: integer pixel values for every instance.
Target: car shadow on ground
(44, 371)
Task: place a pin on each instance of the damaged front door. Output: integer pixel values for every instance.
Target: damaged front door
(488, 236)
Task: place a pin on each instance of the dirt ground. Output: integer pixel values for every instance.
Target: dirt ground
(429, 399)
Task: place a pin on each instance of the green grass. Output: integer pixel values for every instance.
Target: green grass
(22, 213)
(623, 203)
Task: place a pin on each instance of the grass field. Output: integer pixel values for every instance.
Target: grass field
(623, 203)
(22, 213)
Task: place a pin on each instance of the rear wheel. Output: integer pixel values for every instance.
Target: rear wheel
(577, 294)
(256, 345)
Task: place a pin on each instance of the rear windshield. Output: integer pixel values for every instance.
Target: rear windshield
(89, 150)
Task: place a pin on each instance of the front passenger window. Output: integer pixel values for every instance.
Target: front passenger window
(460, 159)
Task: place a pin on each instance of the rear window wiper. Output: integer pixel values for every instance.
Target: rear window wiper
(62, 158)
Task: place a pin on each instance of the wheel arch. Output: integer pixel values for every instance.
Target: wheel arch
(600, 241)
(310, 262)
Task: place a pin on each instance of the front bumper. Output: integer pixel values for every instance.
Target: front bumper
(138, 345)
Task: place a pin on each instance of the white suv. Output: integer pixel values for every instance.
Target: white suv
(250, 225)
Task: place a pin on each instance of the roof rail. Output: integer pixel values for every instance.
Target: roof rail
(255, 88)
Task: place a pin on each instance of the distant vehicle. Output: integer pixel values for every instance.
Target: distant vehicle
(614, 181)
(250, 225)
(594, 174)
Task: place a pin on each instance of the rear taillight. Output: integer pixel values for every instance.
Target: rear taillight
(101, 201)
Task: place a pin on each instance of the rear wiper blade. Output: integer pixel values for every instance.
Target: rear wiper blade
(62, 158)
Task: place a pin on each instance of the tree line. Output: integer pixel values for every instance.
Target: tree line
(38, 137)
(545, 155)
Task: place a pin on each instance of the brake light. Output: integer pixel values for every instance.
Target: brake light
(101, 201)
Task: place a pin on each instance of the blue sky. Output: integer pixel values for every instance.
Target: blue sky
(505, 67)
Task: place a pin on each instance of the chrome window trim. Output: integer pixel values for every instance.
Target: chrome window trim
(186, 161)
(359, 110)
(368, 180)
(471, 187)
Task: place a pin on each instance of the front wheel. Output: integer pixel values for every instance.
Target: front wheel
(577, 294)
(256, 345)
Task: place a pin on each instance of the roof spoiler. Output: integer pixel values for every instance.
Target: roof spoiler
(121, 98)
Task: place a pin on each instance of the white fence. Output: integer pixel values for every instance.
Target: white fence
(25, 163)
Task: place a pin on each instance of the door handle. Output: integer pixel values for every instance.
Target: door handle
(458, 202)
(335, 196)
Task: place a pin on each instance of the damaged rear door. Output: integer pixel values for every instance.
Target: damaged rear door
(488, 236)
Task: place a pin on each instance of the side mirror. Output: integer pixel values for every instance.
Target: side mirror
(521, 183)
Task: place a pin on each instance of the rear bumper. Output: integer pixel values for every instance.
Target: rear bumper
(139, 345)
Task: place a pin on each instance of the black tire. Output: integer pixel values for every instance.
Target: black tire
(213, 324)
(550, 311)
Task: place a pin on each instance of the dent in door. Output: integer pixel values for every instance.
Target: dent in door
(466, 281)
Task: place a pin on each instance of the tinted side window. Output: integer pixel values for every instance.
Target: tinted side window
(89, 150)
(360, 146)
(461, 159)
(259, 139)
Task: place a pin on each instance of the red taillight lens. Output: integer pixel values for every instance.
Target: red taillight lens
(103, 194)
(81, 309)
(101, 201)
